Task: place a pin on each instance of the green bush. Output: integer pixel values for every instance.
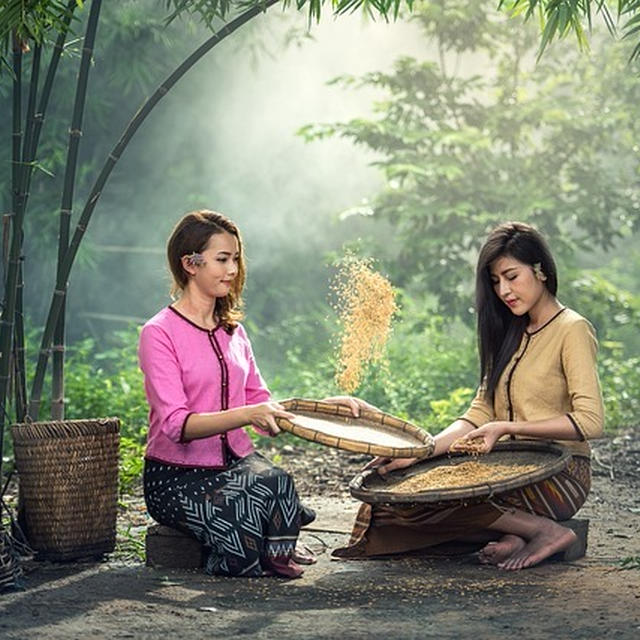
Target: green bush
(110, 383)
(620, 380)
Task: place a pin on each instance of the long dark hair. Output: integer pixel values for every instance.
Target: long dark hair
(499, 330)
(192, 234)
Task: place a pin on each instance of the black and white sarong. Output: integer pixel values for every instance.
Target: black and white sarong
(248, 516)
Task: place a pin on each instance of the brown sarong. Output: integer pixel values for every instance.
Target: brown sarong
(383, 529)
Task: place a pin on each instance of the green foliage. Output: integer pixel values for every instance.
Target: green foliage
(107, 383)
(110, 383)
(620, 380)
(445, 411)
(210, 11)
(630, 562)
(130, 544)
(424, 365)
(557, 19)
(32, 20)
(125, 74)
(612, 310)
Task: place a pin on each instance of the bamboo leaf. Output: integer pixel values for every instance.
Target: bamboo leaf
(608, 19)
(550, 29)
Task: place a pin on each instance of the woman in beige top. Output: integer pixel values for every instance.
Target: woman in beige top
(539, 380)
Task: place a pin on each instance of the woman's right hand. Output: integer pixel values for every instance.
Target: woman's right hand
(385, 464)
(264, 416)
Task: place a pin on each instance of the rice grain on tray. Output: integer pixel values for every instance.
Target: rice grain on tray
(365, 306)
(462, 475)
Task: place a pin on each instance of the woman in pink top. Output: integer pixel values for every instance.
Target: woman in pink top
(202, 474)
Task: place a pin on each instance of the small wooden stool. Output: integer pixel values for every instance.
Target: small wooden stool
(168, 548)
(580, 526)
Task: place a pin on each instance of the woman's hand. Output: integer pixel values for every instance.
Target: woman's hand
(384, 464)
(355, 404)
(489, 433)
(264, 415)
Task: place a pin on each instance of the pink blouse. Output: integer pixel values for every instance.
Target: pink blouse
(188, 369)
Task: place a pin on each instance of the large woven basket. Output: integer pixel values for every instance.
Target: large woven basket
(69, 485)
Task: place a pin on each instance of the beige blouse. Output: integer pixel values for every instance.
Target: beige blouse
(553, 372)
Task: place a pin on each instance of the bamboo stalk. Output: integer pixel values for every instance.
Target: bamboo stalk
(39, 115)
(96, 191)
(19, 350)
(31, 107)
(20, 382)
(75, 133)
(9, 306)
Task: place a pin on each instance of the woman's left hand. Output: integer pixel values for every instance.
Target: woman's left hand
(355, 404)
(490, 434)
(384, 464)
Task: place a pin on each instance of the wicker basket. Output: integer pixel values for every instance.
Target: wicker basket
(69, 485)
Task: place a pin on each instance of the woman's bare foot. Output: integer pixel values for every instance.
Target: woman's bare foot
(551, 539)
(498, 551)
(303, 555)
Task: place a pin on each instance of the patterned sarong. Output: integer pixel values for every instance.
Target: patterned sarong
(248, 516)
(386, 529)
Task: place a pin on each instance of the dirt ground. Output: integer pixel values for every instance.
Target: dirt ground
(595, 597)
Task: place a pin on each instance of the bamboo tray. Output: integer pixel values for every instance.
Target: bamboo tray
(375, 433)
(371, 487)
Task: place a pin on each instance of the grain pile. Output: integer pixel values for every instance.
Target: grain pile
(365, 303)
(462, 475)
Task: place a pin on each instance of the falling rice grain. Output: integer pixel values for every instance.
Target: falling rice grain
(365, 305)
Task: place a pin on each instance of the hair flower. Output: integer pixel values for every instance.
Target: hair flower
(537, 269)
(195, 259)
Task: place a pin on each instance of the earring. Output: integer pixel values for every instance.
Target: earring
(537, 269)
(194, 259)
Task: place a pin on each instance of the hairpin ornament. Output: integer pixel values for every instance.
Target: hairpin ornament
(195, 259)
(537, 269)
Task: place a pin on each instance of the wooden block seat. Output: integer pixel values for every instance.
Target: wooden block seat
(580, 526)
(168, 548)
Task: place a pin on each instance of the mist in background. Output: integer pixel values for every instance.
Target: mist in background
(225, 138)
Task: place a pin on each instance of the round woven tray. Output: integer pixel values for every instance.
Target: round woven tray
(372, 487)
(373, 432)
(68, 473)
